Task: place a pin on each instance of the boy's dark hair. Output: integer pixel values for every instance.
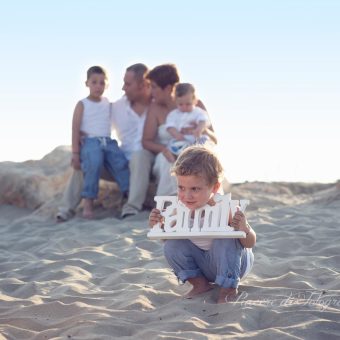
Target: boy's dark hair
(198, 160)
(164, 75)
(183, 89)
(140, 70)
(96, 70)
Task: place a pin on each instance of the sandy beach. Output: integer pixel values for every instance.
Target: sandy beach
(103, 279)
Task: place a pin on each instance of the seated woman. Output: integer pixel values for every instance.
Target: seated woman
(156, 138)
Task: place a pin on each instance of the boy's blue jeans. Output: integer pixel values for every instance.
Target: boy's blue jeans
(96, 152)
(224, 263)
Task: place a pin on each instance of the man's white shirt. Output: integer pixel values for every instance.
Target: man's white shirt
(127, 126)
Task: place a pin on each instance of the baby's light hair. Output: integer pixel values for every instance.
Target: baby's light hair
(199, 160)
(183, 89)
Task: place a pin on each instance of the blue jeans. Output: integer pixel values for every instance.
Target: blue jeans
(224, 263)
(96, 152)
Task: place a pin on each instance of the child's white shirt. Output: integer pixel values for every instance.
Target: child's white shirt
(96, 121)
(202, 243)
(179, 119)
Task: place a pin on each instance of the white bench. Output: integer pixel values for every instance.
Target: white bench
(208, 222)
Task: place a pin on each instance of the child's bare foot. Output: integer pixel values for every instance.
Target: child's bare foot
(227, 295)
(88, 209)
(199, 285)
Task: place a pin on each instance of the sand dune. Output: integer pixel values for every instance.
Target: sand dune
(104, 279)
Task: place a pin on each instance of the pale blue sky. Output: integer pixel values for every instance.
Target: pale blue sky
(268, 71)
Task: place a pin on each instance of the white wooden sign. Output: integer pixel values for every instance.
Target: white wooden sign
(206, 222)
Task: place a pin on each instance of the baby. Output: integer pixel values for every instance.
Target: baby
(186, 116)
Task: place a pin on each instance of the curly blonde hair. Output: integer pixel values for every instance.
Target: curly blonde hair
(199, 160)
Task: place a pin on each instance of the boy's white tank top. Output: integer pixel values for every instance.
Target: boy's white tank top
(202, 243)
(96, 120)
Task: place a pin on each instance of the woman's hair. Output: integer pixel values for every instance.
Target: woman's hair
(183, 89)
(164, 75)
(96, 70)
(199, 160)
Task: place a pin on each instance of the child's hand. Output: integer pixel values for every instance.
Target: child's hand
(180, 137)
(239, 222)
(189, 130)
(211, 201)
(155, 217)
(214, 199)
(75, 162)
(197, 133)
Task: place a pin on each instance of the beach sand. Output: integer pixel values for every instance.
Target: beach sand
(103, 279)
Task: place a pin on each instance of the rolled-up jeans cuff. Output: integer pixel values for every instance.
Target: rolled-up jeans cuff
(227, 282)
(88, 195)
(184, 275)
